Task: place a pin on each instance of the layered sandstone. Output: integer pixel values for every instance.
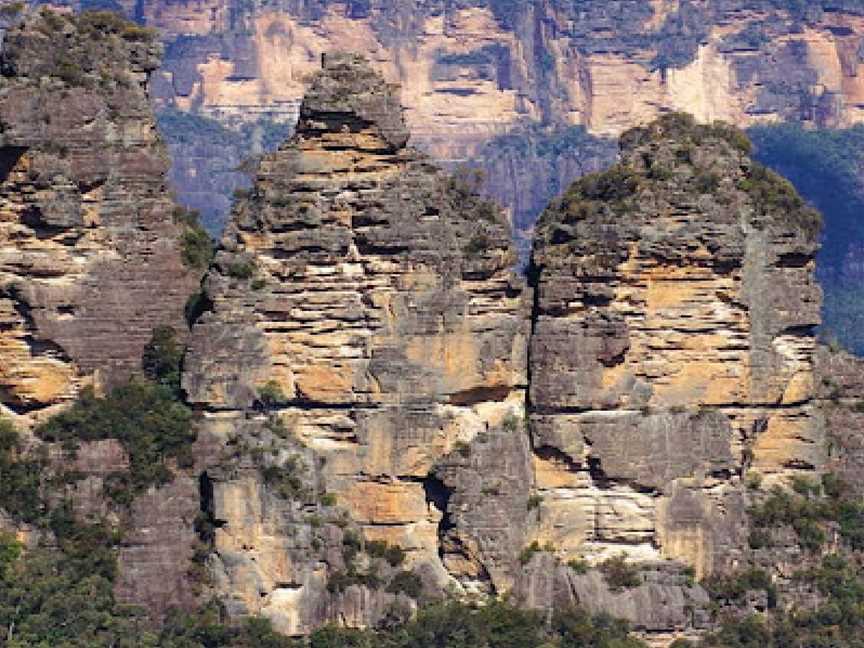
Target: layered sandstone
(363, 302)
(672, 348)
(90, 258)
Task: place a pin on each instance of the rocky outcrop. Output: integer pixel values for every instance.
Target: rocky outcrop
(90, 256)
(365, 363)
(672, 348)
(363, 303)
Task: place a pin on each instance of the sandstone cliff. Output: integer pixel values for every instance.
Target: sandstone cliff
(673, 345)
(363, 306)
(90, 255)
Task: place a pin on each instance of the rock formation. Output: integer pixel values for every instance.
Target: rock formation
(388, 413)
(90, 256)
(366, 301)
(672, 347)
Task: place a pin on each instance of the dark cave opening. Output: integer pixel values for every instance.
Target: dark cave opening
(438, 495)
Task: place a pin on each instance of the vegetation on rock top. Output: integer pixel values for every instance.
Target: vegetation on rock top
(673, 155)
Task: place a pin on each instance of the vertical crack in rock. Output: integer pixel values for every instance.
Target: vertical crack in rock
(438, 496)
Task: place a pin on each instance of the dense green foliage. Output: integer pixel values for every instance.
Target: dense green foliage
(807, 510)
(825, 166)
(496, 625)
(162, 358)
(20, 477)
(197, 246)
(619, 573)
(145, 417)
(836, 622)
(58, 593)
(63, 598)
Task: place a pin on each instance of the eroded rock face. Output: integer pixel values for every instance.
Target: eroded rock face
(672, 347)
(366, 301)
(90, 258)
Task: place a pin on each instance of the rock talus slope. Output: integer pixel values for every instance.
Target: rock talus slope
(90, 258)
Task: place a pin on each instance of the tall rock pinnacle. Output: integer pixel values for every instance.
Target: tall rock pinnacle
(673, 343)
(90, 256)
(366, 301)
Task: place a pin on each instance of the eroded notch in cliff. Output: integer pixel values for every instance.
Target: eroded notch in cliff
(206, 522)
(9, 158)
(438, 495)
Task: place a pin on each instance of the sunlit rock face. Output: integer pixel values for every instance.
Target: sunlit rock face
(369, 300)
(673, 346)
(90, 256)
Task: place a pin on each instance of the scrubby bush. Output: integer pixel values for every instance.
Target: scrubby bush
(146, 418)
(393, 554)
(162, 358)
(619, 573)
(241, 270)
(285, 480)
(733, 587)
(270, 394)
(197, 246)
(408, 583)
(20, 477)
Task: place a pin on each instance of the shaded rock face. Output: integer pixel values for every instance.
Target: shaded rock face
(90, 260)
(366, 301)
(672, 347)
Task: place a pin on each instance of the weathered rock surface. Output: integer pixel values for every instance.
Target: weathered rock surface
(672, 347)
(366, 301)
(90, 258)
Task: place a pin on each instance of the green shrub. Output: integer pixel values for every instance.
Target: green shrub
(579, 566)
(241, 270)
(339, 581)
(619, 573)
(162, 358)
(393, 554)
(534, 501)
(197, 248)
(144, 417)
(512, 423)
(270, 394)
(285, 480)
(577, 629)
(20, 483)
(528, 552)
(734, 587)
(408, 583)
